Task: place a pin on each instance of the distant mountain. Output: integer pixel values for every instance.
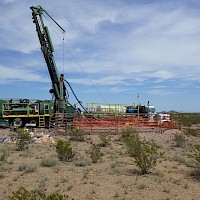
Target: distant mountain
(170, 112)
(173, 111)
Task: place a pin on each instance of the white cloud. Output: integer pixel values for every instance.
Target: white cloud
(20, 74)
(159, 92)
(118, 89)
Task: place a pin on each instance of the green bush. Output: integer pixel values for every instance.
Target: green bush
(179, 139)
(131, 140)
(77, 134)
(105, 140)
(64, 150)
(129, 132)
(23, 139)
(94, 153)
(195, 154)
(24, 194)
(145, 153)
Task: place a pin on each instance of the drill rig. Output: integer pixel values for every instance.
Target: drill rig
(61, 104)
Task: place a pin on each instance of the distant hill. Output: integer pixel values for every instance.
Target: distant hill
(170, 112)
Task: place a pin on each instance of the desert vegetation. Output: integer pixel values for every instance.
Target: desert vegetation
(134, 164)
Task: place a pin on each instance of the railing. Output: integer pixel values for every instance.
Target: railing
(20, 109)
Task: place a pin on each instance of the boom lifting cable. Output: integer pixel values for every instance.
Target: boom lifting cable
(84, 71)
(63, 51)
(88, 77)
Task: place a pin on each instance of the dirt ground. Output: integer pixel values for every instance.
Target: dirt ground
(114, 177)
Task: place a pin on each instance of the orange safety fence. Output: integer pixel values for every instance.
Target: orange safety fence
(118, 122)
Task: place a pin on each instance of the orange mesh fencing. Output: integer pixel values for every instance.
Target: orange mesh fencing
(115, 123)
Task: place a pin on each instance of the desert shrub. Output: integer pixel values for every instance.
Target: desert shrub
(23, 139)
(191, 131)
(179, 139)
(24, 194)
(145, 153)
(189, 119)
(179, 159)
(81, 162)
(195, 154)
(77, 134)
(131, 140)
(3, 155)
(64, 150)
(195, 173)
(186, 120)
(129, 132)
(27, 168)
(105, 139)
(48, 162)
(2, 176)
(94, 153)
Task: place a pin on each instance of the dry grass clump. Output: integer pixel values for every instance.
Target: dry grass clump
(3, 155)
(48, 162)
(27, 168)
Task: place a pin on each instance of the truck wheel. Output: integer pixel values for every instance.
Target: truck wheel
(17, 122)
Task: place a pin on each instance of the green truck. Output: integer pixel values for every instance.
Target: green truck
(19, 112)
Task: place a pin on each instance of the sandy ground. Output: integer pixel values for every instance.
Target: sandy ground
(114, 177)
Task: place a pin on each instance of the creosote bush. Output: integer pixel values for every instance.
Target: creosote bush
(105, 139)
(131, 140)
(23, 139)
(77, 134)
(195, 154)
(94, 153)
(145, 153)
(24, 194)
(64, 150)
(179, 139)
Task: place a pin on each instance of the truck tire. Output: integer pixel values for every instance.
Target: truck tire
(17, 122)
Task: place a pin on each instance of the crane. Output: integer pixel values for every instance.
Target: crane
(58, 87)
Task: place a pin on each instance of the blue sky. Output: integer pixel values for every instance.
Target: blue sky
(113, 50)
